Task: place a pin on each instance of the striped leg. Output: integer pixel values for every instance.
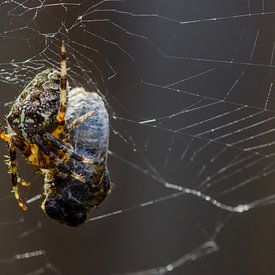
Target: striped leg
(14, 176)
(59, 164)
(13, 168)
(63, 88)
(19, 180)
(78, 121)
(65, 149)
(24, 183)
(54, 159)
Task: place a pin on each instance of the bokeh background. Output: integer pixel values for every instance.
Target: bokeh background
(189, 89)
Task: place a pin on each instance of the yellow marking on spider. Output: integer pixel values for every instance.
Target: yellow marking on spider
(24, 183)
(4, 137)
(61, 116)
(34, 156)
(17, 197)
(43, 205)
(58, 131)
(62, 156)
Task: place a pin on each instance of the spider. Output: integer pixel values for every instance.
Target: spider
(64, 135)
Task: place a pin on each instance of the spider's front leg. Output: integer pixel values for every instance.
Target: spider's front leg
(13, 167)
(60, 130)
(14, 175)
(63, 90)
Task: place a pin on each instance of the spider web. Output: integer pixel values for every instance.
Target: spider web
(189, 86)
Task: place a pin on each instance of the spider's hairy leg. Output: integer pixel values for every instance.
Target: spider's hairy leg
(63, 131)
(78, 121)
(58, 163)
(4, 136)
(11, 161)
(14, 176)
(25, 148)
(64, 148)
(63, 87)
(24, 183)
(106, 188)
(54, 159)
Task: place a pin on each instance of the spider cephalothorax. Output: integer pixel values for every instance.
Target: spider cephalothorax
(64, 135)
(34, 111)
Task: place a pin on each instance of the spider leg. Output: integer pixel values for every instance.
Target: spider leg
(14, 176)
(61, 166)
(25, 148)
(24, 183)
(78, 121)
(57, 161)
(63, 88)
(101, 190)
(64, 148)
(21, 181)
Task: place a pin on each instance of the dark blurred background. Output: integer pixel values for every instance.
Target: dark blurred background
(202, 72)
